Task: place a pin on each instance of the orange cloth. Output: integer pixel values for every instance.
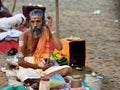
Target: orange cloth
(65, 49)
(42, 50)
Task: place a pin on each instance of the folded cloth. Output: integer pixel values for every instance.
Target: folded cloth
(29, 73)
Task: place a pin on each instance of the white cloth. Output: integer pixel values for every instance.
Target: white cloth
(7, 22)
(29, 73)
(11, 33)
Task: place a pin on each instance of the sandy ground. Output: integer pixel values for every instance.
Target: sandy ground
(101, 32)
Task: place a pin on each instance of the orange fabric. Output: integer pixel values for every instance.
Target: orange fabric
(65, 49)
(42, 50)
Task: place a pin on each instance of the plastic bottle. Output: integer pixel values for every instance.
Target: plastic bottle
(44, 83)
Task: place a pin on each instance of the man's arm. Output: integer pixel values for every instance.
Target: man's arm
(53, 38)
(55, 41)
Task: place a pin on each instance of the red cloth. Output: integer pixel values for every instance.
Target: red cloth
(51, 47)
(79, 88)
(7, 45)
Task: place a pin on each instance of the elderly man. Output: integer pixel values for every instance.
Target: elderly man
(34, 48)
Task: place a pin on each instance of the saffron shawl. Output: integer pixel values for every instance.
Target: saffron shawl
(42, 50)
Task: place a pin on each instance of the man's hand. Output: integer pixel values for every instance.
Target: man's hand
(47, 66)
(49, 23)
(49, 20)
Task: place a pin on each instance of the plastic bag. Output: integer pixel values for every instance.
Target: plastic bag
(57, 81)
(13, 88)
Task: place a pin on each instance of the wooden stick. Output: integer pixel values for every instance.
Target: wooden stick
(57, 18)
(14, 4)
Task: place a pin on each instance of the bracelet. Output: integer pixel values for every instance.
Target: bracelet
(53, 32)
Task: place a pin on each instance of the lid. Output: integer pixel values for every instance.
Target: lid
(76, 76)
(45, 78)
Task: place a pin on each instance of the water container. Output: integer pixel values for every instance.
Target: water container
(44, 83)
(93, 82)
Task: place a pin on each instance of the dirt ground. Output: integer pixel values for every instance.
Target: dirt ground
(100, 29)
